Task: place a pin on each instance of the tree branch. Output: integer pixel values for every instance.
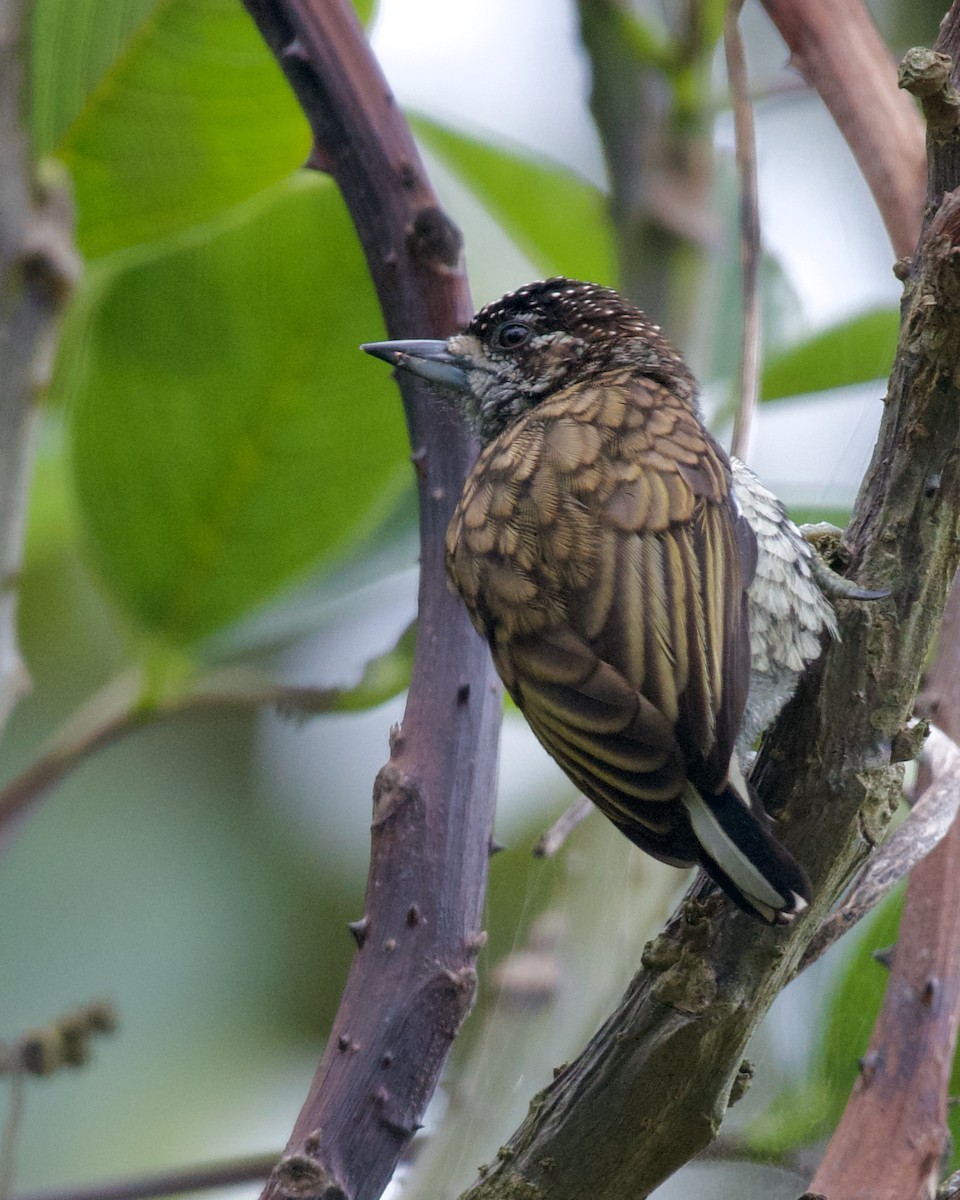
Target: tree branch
(167, 1183)
(413, 979)
(828, 767)
(891, 1139)
(118, 710)
(836, 47)
(648, 101)
(750, 345)
(38, 268)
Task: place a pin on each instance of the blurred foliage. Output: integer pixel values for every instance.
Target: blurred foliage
(854, 351)
(215, 461)
(558, 219)
(218, 447)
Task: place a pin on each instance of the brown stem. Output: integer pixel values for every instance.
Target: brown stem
(835, 45)
(168, 1183)
(551, 841)
(749, 231)
(890, 1142)
(413, 979)
(116, 711)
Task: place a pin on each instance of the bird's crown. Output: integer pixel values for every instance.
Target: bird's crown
(554, 333)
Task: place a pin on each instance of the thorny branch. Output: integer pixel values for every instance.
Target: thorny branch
(413, 979)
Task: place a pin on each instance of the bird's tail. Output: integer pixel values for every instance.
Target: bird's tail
(741, 857)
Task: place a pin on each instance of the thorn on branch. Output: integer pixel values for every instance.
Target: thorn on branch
(49, 263)
(930, 992)
(407, 175)
(884, 956)
(359, 930)
(319, 160)
(475, 942)
(297, 50)
(869, 1065)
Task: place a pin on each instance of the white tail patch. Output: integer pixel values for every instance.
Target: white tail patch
(734, 861)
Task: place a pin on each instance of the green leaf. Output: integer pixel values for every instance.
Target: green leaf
(73, 44)
(855, 351)
(174, 111)
(554, 216)
(51, 523)
(226, 431)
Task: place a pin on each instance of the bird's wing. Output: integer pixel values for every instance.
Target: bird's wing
(596, 546)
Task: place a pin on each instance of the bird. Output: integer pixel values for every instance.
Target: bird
(604, 549)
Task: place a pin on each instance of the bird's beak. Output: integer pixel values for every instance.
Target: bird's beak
(429, 359)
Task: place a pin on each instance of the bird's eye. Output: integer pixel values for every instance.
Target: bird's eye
(511, 335)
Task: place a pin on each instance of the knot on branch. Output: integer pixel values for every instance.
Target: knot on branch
(926, 74)
(434, 240)
(943, 233)
(302, 1174)
(46, 258)
(395, 797)
(684, 979)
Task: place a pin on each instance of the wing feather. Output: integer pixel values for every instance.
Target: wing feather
(610, 586)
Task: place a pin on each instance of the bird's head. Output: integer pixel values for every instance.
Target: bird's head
(535, 341)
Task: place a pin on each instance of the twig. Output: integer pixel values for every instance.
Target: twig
(413, 980)
(11, 1133)
(116, 711)
(929, 822)
(168, 1183)
(749, 231)
(552, 839)
(38, 267)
